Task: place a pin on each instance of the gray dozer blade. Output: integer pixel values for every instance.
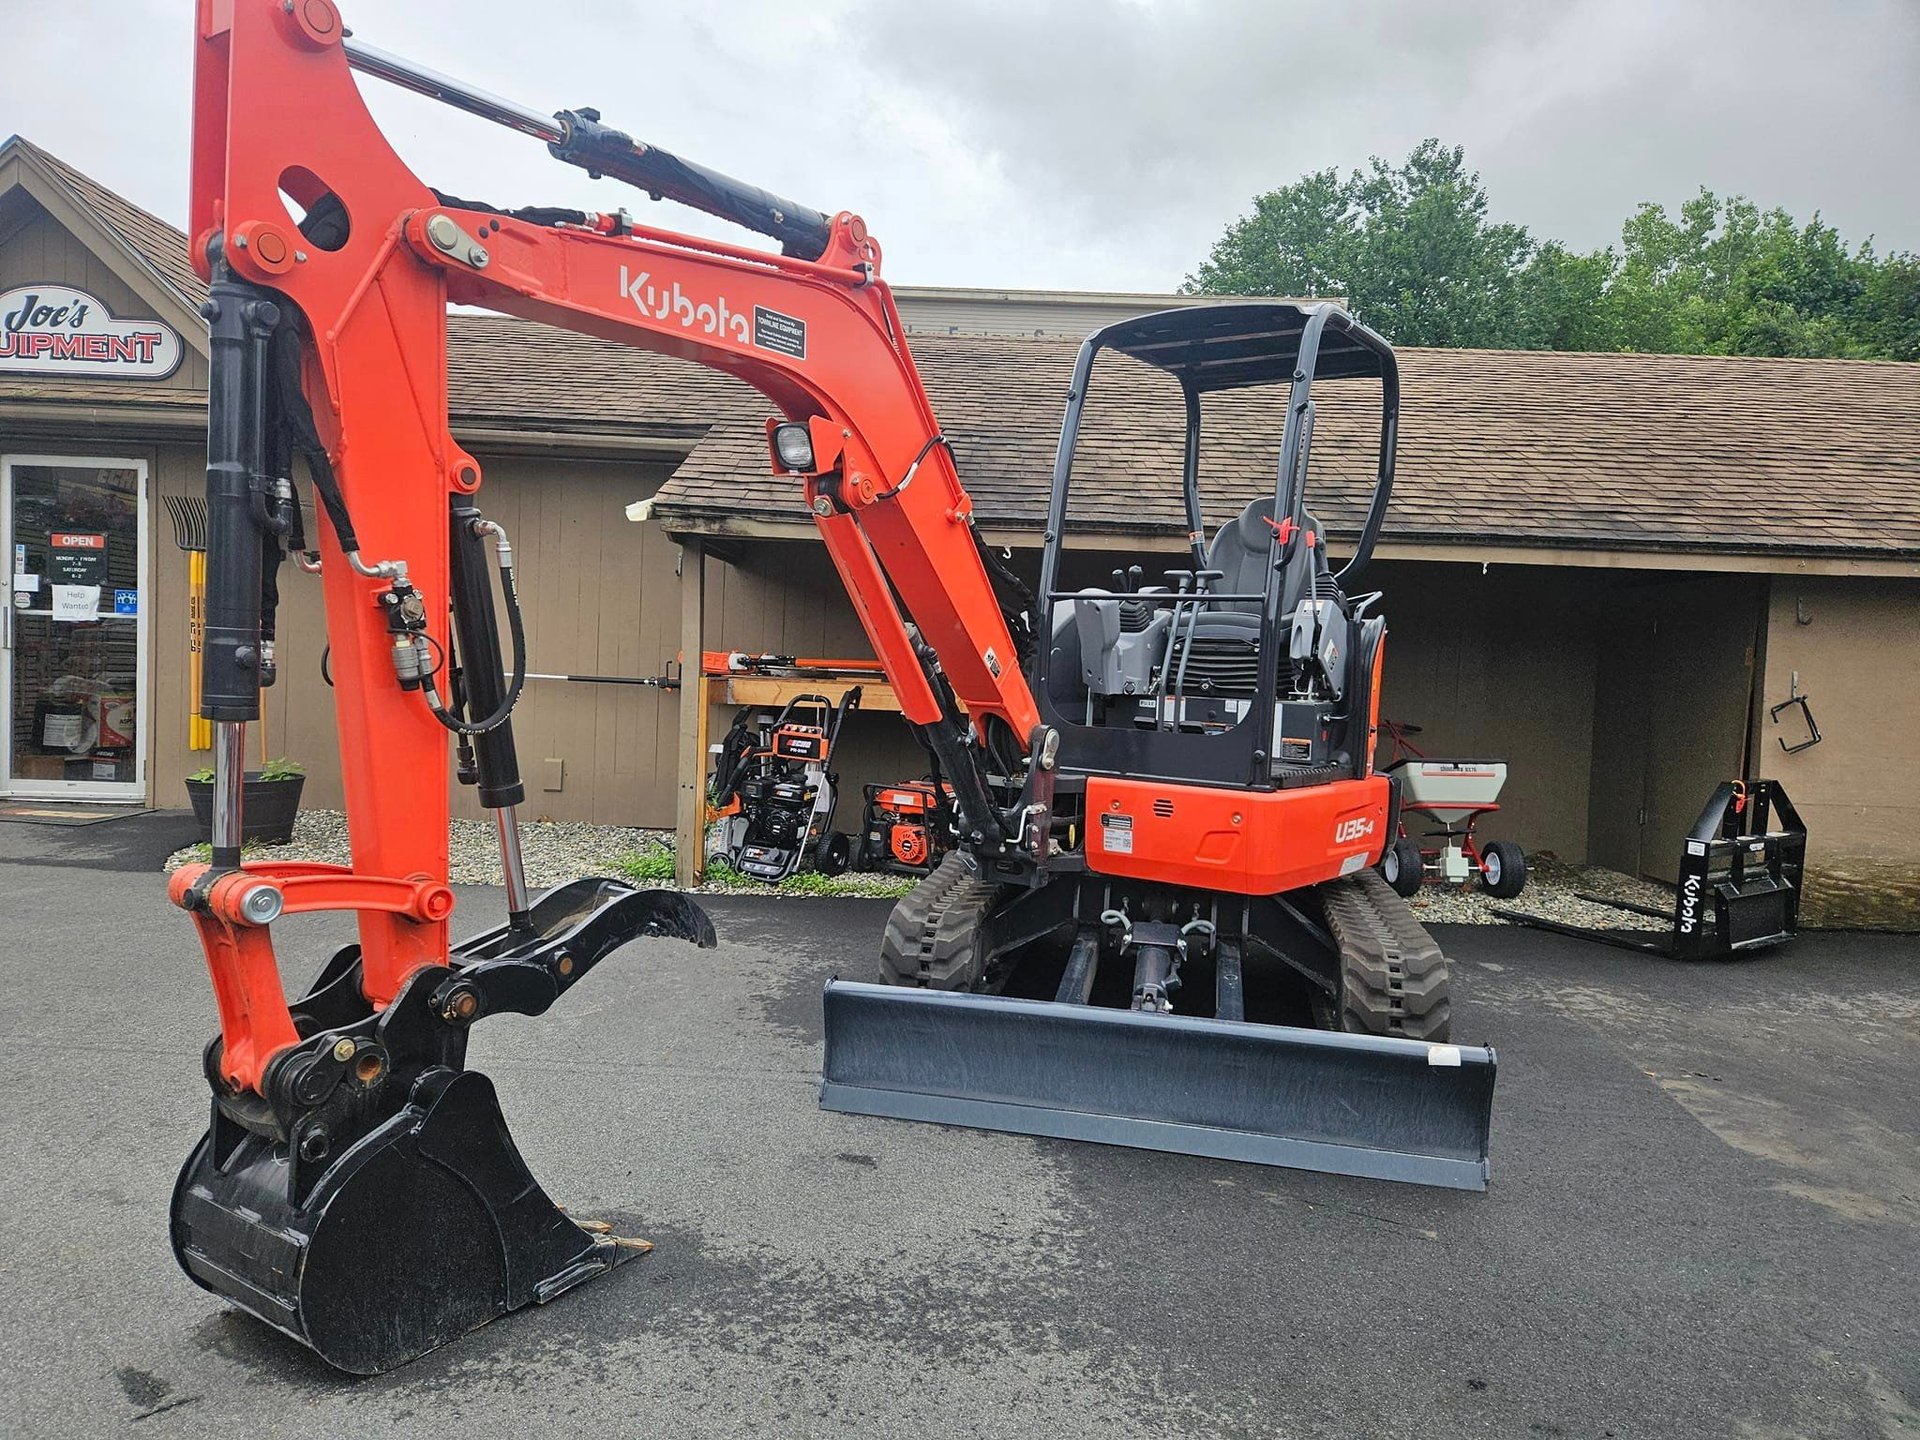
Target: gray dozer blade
(1365, 1105)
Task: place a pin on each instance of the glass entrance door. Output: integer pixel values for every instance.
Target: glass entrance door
(73, 678)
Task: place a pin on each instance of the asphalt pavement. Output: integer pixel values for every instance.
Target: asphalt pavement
(1704, 1218)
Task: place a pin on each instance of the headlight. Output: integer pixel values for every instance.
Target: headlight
(793, 445)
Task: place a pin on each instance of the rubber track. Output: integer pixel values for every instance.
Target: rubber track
(932, 936)
(1394, 978)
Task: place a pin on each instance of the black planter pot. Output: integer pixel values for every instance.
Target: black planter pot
(267, 807)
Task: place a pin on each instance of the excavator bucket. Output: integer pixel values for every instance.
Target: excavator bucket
(1385, 1109)
(395, 1214)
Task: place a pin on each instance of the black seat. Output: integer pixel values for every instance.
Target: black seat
(1241, 551)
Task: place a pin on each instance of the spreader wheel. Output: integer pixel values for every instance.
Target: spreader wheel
(1503, 869)
(1402, 866)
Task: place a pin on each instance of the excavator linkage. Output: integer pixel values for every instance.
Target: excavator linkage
(376, 1207)
(1373, 1106)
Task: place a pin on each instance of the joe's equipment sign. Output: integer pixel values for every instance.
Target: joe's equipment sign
(56, 330)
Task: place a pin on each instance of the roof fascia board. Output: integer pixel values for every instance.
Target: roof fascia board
(91, 229)
(498, 440)
(61, 417)
(678, 522)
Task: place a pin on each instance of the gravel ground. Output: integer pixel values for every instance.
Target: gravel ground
(555, 852)
(1552, 891)
(560, 850)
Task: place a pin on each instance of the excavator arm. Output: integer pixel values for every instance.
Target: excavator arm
(368, 277)
(344, 1122)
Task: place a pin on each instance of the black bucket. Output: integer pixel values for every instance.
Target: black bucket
(428, 1227)
(369, 1200)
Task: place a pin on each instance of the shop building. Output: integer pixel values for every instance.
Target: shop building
(1607, 570)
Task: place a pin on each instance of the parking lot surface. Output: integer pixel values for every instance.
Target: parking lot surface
(1704, 1218)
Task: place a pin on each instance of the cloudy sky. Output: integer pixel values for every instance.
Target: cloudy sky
(1091, 144)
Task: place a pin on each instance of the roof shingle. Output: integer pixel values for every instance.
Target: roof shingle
(1629, 452)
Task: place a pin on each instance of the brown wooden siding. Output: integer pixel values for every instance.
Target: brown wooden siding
(1855, 646)
(1675, 680)
(784, 598)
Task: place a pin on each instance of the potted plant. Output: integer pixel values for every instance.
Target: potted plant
(269, 800)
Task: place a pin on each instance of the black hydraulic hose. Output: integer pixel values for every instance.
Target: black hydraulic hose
(516, 627)
(304, 437)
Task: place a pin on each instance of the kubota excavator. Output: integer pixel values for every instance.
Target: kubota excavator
(1176, 778)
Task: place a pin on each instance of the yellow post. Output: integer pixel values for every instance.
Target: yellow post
(199, 728)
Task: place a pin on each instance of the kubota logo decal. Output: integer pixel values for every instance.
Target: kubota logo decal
(660, 303)
(1689, 904)
(1358, 828)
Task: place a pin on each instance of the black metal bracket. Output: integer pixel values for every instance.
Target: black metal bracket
(1813, 726)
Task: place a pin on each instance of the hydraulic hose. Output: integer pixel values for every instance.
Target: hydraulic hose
(516, 628)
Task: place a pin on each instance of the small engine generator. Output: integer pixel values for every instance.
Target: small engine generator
(908, 827)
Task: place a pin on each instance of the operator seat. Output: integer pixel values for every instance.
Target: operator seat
(1242, 549)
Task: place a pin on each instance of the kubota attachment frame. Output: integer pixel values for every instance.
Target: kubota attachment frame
(1739, 887)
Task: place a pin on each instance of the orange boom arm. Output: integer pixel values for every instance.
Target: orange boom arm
(370, 258)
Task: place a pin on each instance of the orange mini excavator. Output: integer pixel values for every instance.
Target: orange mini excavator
(1163, 797)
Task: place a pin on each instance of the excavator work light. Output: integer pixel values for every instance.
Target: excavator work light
(793, 448)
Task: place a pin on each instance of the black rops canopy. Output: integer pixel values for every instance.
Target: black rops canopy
(1223, 347)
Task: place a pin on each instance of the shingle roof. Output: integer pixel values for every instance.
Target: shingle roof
(161, 245)
(1616, 452)
(1629, 452)
(509, 372)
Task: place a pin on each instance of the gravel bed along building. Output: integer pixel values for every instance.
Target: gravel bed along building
(1553, 892)
(555, 851)
(560, 850)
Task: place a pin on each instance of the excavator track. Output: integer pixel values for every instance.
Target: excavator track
(933, 935)
(1393, 975)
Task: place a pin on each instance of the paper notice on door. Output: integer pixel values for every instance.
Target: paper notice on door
(76, 602)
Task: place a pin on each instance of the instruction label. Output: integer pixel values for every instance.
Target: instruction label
(783, 333)
(1116, 834)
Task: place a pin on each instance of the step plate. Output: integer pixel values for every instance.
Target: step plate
(1267, 1094)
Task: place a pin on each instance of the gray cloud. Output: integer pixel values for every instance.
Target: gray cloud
(1085, 143)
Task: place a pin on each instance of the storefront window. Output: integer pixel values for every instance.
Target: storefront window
(73, 665)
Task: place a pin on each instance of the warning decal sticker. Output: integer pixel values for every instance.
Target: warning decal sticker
(774, 331)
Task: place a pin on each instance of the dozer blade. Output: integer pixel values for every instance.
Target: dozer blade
(1386, 1109)
(370, 1202)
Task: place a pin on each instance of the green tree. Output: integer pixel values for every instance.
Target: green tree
(1300, 240)
(1408, 245)
(1890, 309)
(1411, 248)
